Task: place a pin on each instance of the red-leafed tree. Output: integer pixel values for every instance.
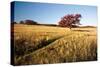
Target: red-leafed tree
(70, 20)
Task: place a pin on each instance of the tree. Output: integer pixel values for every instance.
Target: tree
(70, 20)
(21, 22)
(13, 22)
(30, 22)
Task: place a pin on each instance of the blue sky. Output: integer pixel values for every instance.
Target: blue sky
(46, 13)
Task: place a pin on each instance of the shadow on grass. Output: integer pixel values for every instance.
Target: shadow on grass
(82, 30)
(44, 43)
(21, 48)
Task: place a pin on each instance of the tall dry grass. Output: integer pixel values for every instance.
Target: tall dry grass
(36, 44)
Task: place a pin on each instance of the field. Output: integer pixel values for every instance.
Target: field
(38, 44)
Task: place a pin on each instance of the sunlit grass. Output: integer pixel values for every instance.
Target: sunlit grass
(36, 44)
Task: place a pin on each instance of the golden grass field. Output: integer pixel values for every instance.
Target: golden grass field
(37, 44)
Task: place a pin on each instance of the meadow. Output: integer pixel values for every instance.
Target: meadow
(38, 44)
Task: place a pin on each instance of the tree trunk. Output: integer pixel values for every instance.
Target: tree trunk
(70, 28)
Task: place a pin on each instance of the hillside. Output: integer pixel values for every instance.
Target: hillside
(37, 44)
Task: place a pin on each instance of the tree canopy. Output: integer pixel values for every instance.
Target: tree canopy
(70, 20)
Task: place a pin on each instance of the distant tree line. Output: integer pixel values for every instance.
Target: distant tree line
(28, 22)
(31, 22)
(69, 21)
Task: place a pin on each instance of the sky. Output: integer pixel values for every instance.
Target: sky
(46, 13)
